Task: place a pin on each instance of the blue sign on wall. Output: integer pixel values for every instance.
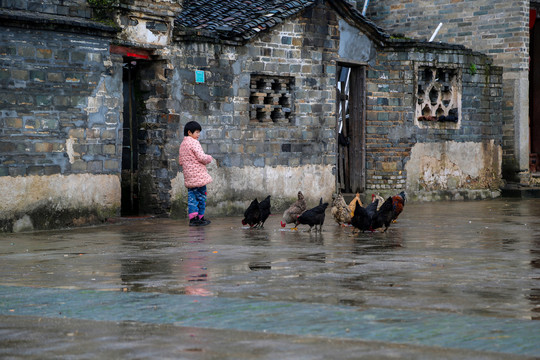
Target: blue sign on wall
(199, 76)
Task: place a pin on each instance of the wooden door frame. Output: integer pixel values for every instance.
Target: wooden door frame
(353, 176)
(534, 95)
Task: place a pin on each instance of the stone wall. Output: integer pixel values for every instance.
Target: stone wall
(60, 108)
(280, 158)
(396, 139)
(72, 8)
(267, 109)
(261, 158)
(497, 28)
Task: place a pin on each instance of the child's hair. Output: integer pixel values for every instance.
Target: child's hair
(192, 126)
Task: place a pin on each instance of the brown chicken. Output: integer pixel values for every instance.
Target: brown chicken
(398, 202)
(294, 211)
(340, 211)
(352, 204)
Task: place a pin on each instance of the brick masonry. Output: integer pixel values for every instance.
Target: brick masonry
(72, 8)
(61, 110)
(305, 49)
(55, 87)
(390, 129)
(156, 166)
(498, 28)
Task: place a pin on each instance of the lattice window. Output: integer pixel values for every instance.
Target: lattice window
(271, 98)
(438, 96)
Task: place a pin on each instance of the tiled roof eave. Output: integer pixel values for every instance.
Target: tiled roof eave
(190, 35)
(34, 20)
(242, 31)
(424, 45)
(410, 43)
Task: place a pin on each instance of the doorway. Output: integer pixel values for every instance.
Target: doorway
(351, 113)
(130, 149)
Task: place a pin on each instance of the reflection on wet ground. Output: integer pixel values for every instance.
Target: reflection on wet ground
(451, 261)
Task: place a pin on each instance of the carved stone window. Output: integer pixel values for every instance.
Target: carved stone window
(271, 98)
(438, 97)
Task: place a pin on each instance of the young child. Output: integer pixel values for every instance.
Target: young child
(193, 161)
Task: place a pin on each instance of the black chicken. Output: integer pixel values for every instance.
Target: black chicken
(362, 217)
(370, 218)
(314, 216)
(257, 213)
(264, 211)
(252, 214)
(384, 216)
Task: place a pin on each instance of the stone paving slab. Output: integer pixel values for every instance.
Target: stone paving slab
(39, 338)
(449, 280)
(512, 336)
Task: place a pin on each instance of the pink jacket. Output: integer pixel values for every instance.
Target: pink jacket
(193, 161)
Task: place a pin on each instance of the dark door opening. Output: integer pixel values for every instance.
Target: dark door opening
(534, 93)
(351, 95)
(130, 151)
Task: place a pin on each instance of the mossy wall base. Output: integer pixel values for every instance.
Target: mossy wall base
(57, 201)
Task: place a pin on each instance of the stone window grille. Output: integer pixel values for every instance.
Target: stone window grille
(438, 97)
(271, 98)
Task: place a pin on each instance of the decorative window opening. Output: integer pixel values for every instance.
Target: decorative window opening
(438, 97)
(271, 98)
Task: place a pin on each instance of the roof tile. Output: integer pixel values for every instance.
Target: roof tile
(241, 20)
(232, 18)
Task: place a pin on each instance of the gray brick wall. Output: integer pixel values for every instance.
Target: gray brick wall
(55, 87)
(390, 129)
(498, 28)
(305, 49)
(75, 8)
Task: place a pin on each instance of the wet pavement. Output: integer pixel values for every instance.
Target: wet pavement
(449, 280)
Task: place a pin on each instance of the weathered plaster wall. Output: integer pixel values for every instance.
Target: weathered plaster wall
(354, 45)
(147, 23)
(52, 201)
(232, 185)
(442, 169)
